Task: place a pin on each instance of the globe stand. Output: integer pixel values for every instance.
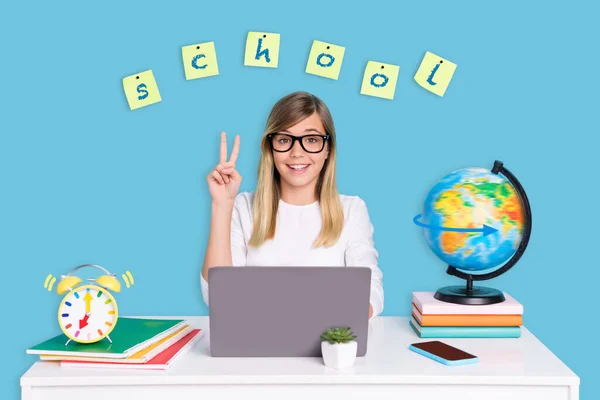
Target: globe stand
(469, 295)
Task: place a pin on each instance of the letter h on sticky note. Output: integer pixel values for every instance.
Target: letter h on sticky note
(325, 59)
(380, 80)
(199, 60)
(262, 49)
(141, 89)
(435, 73)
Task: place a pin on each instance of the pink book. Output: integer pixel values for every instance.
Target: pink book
(427, 304)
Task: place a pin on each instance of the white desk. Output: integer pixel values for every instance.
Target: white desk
(508, 369)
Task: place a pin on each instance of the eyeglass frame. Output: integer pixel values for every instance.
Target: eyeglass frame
(299, 139)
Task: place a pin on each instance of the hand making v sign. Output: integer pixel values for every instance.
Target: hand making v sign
(224, 181)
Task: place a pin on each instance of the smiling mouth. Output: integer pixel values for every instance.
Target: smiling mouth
(298, 168)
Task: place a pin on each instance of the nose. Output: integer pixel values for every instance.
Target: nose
(296, 150)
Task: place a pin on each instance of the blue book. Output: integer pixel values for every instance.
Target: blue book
(465, 331)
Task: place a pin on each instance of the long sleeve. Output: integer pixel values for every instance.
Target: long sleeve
(361, 252)
(238, 244)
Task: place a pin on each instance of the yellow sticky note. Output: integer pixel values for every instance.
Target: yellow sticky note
(380, 80)
(200, 60)
(141, 89)
(325, 59)
(435, 73)
(262, 49)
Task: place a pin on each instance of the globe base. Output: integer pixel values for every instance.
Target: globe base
(474, 296)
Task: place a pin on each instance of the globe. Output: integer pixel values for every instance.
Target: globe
(474, 220)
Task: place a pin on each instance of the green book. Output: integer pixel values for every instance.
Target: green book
(129, 336)
(465, 331)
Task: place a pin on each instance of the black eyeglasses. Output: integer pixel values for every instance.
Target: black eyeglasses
(282, 142)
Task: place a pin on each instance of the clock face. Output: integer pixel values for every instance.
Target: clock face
(87, 314)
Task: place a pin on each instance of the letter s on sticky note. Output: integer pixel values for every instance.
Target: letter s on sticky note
(380, 80)
(262, 49)
(200, 60)
(141, 89)
(325, 59)
(435, 73)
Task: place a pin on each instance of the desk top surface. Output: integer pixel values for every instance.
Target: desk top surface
(388, 361)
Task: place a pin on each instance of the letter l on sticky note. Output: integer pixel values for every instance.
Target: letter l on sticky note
(435, 73)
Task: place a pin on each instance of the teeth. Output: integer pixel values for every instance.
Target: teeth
(299, 166)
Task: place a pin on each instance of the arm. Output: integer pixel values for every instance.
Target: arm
(218, 250)
(226, 243)
(361, 252)
(223, 183)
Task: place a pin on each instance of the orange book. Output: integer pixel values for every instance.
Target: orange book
(466, 320)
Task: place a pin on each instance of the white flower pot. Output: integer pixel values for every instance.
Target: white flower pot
(339, 355)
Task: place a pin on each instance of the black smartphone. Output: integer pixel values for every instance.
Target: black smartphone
(443, 353)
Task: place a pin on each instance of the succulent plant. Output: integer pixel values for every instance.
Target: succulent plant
(338, 335)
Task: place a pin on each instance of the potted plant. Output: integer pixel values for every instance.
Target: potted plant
(338, 347)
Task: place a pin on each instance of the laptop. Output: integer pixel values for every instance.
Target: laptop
(282, 311)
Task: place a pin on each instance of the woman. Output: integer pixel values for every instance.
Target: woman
(296, 215)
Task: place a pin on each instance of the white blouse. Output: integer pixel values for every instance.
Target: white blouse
(296, 229)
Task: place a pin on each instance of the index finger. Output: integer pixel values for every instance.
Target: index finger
(223, 148)
(236, 150)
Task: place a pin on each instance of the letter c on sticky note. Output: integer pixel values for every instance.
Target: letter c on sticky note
(200, 60)
(195, 61)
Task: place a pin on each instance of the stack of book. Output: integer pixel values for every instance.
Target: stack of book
(138, 343)
(432, 318)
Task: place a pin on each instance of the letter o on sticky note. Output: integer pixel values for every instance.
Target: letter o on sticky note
(325, 59)
(141, 89)
(262, 49)
(200, 60)
(380, 80)
(435, 73)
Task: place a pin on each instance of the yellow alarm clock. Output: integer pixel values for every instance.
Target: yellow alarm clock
(88, 313)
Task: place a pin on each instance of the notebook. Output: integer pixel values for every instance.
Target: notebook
(465, 331)
(163, 360)
(129, 336)
(466, 320)
(428, 304)
(140, 357)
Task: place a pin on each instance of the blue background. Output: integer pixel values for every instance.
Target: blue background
(86, 180)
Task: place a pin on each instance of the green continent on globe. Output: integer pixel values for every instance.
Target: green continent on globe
(470, 198)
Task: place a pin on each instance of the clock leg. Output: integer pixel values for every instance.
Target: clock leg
(108, 337)
(67, 342)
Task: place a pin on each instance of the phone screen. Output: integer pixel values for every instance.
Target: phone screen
(443, 350)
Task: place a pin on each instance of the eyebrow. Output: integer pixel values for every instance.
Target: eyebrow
(306, 130)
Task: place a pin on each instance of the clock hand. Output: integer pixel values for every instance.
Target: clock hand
(87, 298)
(84, 322)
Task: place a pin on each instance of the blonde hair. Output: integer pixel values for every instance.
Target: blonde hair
(287, 112)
